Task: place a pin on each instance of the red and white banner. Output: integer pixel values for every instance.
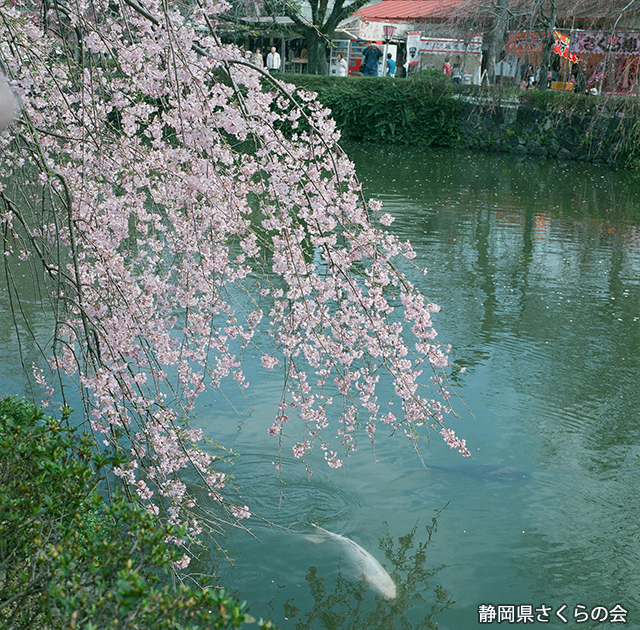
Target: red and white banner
(413, 48)
(601, 43)
(529, 41)
(532, 42)
(561, 47)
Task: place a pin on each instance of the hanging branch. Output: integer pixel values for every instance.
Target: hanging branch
(194, 206)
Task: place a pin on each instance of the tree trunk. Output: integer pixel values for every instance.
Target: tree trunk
(547, 47)
(317, 49)
(496, 41)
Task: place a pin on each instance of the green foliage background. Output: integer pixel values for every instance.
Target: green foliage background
(429, 110)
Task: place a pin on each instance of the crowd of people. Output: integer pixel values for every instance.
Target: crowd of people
(507, 71)
(454, 72)
(371, 56)
(575, 80)
(371, 62)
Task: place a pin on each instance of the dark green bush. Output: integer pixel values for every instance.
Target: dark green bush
(379, 109)
(585, 104)
(69, 559)
(609, 120)
(427, 109)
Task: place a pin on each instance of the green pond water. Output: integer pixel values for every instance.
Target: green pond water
(536, 265)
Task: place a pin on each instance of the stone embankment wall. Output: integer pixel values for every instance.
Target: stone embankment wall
(519, 130)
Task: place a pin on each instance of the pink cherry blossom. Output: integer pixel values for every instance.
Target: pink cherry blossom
(269, 362)
(241, 513)
(169, 254)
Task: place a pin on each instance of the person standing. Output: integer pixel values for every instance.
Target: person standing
(370, 57)
(257, 58)
(446, 67)
(342, 70)
(497, 71)
(273, 60)
(456, 73)
(580, 86)
(391, 66)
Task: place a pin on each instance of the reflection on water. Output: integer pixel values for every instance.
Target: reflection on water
(21, 314)
(537, 267)
(291, 498)
(317, 586)
(346, 605)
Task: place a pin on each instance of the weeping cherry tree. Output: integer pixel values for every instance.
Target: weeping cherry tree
(173, 201)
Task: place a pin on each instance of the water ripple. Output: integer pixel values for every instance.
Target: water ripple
(295, 498)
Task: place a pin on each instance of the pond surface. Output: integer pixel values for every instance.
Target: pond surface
(536, 265)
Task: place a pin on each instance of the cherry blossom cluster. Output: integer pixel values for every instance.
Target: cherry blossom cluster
(184, 206)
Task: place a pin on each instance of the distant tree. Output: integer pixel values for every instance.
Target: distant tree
(497, 35)
(491, 19)
(325, 17)
(545, 15)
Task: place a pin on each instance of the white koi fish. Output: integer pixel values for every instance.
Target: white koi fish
(373, 573)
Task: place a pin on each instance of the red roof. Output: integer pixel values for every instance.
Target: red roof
(410, 10)
(580, 11)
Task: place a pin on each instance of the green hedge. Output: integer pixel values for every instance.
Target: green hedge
(607, 118)
(68, 559)
(428, 109)
(380, 109)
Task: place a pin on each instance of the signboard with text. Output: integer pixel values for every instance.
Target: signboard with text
(451, 46)
(601, 43)
(529, 41)
(413, 48)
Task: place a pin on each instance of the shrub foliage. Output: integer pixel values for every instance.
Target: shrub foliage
(429, 110)
(421, 110)
(69, 559)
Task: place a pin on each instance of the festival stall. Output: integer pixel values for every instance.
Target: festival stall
(467, 53)
(527, 48)
(613, 60)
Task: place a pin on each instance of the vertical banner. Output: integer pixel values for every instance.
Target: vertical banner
(561, 47)
(413, 48)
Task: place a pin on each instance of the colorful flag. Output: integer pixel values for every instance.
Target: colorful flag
(561, 47)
